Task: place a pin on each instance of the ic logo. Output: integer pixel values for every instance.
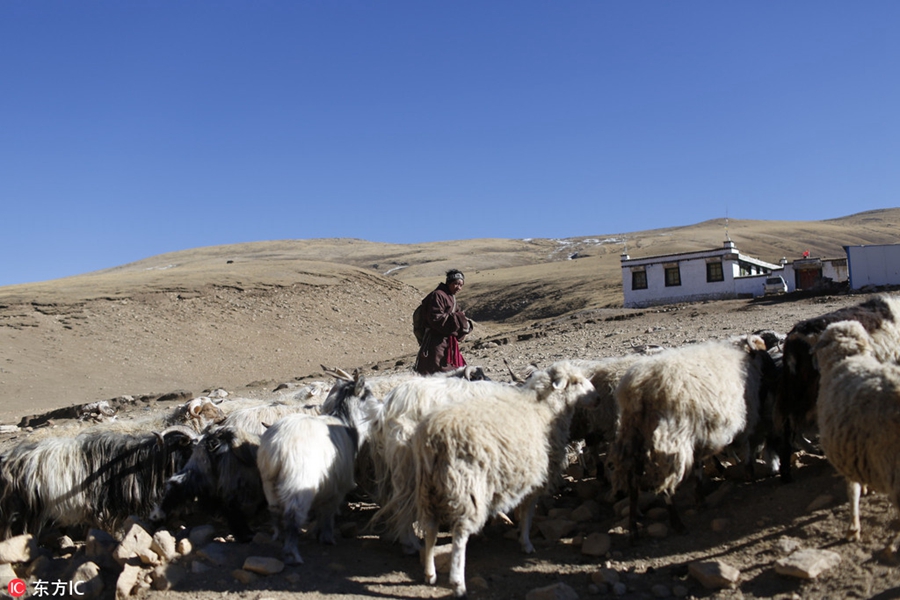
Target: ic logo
(16, 588)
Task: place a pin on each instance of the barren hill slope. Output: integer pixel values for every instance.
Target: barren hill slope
(229, 316)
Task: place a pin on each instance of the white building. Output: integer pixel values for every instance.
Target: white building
(873, 265)
(715, 274)
(806, 273)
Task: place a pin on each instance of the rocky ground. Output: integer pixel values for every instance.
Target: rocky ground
(580, 538)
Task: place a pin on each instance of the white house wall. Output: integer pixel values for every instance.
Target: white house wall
(873, 265)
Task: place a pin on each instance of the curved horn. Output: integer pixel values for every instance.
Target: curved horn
(180, 428)
(196, 405)
(339, 373)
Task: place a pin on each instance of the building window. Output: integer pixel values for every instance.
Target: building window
(639, 280)
(714, 271)
(673, 275)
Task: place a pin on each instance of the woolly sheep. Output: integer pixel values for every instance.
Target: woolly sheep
(489, 454)
(795, 405)
(306, 463)
(859, 415)
(684, 405)
(391, 451)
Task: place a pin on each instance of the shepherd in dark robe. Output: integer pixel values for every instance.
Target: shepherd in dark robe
(446, 326)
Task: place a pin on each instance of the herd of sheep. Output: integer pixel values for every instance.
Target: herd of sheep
(456, 449)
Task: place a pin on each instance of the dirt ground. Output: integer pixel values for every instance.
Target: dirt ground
(749, 525)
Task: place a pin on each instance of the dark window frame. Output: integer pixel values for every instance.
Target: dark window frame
(673, 276)
(715, 271)
(639, 280)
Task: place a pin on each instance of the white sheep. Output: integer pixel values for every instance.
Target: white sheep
(859, 415)
(490, 453)
(684, 405)
(306, 463)
(392, 454)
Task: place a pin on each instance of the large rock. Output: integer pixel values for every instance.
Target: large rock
(6, 575)
(18, 549)
(164, 545)
(127, 581)
(135, 545)
(88, 580)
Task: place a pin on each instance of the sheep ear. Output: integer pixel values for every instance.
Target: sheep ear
(560, 383)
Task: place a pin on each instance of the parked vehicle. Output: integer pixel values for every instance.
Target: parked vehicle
(775, 285)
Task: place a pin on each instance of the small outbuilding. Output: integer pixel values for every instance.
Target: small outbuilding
(875, 265)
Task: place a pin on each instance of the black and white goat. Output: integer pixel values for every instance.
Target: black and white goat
(97, 478)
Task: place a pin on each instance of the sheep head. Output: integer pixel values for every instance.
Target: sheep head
(841, 340)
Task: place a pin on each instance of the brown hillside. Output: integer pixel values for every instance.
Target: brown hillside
(256, 313)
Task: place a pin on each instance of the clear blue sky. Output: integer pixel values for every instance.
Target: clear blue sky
(133, 128)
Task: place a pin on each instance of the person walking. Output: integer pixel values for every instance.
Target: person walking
(445, 327)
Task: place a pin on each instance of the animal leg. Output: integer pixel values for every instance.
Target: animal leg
(674, 519)
(431, 533)
(326, 528)
(458, 563)
(526, 516)
(853, 492)
(296, 514)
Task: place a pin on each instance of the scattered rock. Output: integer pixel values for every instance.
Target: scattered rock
(605, 575)
(89, 580)
(184, 546)
(714, 574)
(164, 544)
(127, 581)
(6, 574)
(807, 563)
(787, 544)
(18, 549)
(135, 544)
(555, 529)
(165, 577)
(244, 577)
(556, 591)
(263, 565)
(596, 544)
(99, 546)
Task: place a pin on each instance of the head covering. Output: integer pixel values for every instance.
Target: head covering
(455, 274)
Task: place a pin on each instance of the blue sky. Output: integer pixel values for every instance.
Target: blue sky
(130, 129)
